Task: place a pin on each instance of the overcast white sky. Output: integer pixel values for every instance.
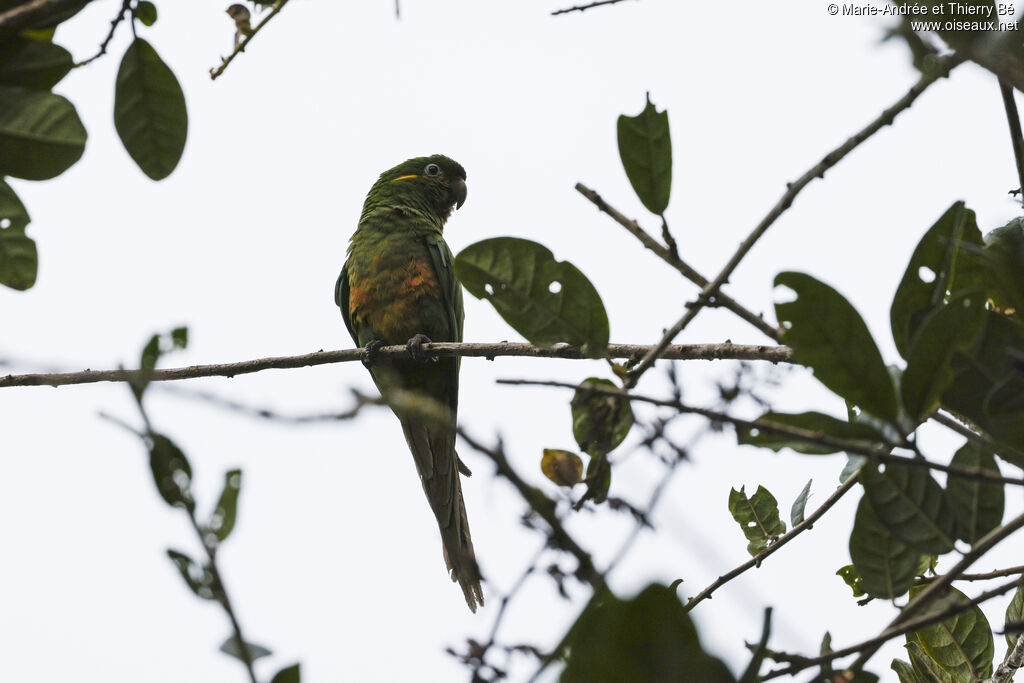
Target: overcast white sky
(336, 560)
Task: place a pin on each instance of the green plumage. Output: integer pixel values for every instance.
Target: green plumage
(398, 283)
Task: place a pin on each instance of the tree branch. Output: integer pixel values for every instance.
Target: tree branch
(893, 632)
(817, 171)
(671, 258)
(125, 7)
(727, 351)
(1013, 119)
(584, 8)
(783, 540)
(240, 47)
(1013, 660)
(973, 436)
(848, 445)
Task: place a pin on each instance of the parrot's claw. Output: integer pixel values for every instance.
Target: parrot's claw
(370, 352)
(415, 348)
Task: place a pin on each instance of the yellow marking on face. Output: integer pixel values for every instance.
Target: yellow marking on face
(405, 177)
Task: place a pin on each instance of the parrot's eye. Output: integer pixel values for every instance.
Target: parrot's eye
(432, 169)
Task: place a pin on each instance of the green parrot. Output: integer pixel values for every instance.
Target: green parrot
(398, 287)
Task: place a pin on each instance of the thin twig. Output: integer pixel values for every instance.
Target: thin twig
(1013, 119)
(929, 594)
(974, 437)
(817, 171)
(671, 257)
(240, 46)
(894, 631)
(783, 540)
(584, 8)
(544, 507)
(814, 437)
(125, 7)
(987, 576)
(727, 351)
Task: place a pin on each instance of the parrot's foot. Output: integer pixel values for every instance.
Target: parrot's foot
(370, 352)
(415, 348)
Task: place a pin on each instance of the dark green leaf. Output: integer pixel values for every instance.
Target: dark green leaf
(222, 521)
(179, 337)
(977, 505)
(829, 336)
(151, 353)
(796, 514)
(157, 346)
(34, 64)
(645, 148)
(198, 578)
(961, 645)
(149, 111)
(1014, 613)
(758, 516)
(289, 674)
(931, 271)
(912, 505)
(599, 480)
(1003, 258)
(907, 673)
(41, 135)
(927, 668)
(885, 564)
(171, 472)
(517, 276)
(851, 578)
(648, 638)
(19, 261)
(231, 647)
(145, 12)
(600, 422)
(986, 385)
(818, 424)
(944, 331)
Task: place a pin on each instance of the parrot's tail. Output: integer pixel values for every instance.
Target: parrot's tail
(433, 448)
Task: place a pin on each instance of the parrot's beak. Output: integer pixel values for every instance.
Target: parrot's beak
(458, 189)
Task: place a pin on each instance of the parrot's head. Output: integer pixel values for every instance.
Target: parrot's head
(435, 184)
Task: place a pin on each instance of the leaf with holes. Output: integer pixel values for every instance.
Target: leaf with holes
(289, 674)
(962, 645)
(198, 578)
(222, 521)
(34, 64)
(851, 577)
(758, 516)
(885, 564)
(977, 505)
(171, 472)
(946, 330)
(41, 135)
(647, 638)
(817, 424)
(645, 147)
(829, 336)
(600, 422)
(931, 272)
(796, 513)
(545, 300)
(912, 505)
(19, 261)
(232, 648)
(565, 468)
(149, 111)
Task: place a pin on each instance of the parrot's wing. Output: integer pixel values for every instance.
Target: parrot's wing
(341, 298)
(441, 258)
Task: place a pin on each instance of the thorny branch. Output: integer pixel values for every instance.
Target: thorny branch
(240, 47)
(817, 171)
(727, 351)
